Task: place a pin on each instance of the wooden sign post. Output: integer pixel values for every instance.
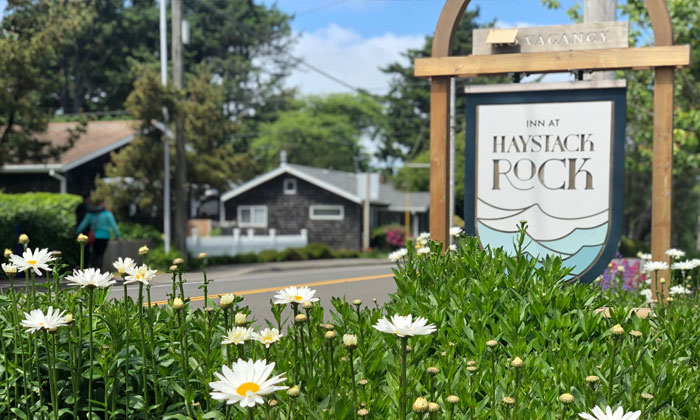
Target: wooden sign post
(663, 58)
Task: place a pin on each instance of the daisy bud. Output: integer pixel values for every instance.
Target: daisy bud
(620, 269)
(272, 403)
(178, 304)
(508, 400)
(350, 341)
(432, 370)
(362, 412)
(566, 398)
(329, 327)
(8, 252)
(23, 239)
(293, 391)
(517, 362)
(241, 319)
(9, 269)
(491, 343)
(330, 335)
(301, 318)
(662, 280)
(57, 254)
(453, 399)
(669, 299)
(178, 261)
(143, 250)
(202, 255)
(409, 349)
(226, 300)
(357, 302)
(617, 330)
(374, 300)
(420, 406)
(471, 362)
(82, 239)
(591, 379)
(647, 396)
(173, 268)
(433, 407)
(307, 305)
(363, 382)
(471, 369)
(635, 333)
(68, 318)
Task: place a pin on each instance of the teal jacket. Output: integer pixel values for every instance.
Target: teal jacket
(101, 223)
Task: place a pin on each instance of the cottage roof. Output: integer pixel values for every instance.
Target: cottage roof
(100, 138)
(345, 184)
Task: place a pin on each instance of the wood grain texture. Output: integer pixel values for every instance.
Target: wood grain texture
(660, 22)
(446, 27)
(605, 59)
(439, 159)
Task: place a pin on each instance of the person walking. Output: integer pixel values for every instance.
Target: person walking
(101, 221)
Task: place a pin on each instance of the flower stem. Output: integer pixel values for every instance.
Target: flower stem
(126, 352)
(149, 309)
(52, 375)
(354, 385)
(402, 392)
(184, 357)
(250, 413)
(91, 291)
(493, 384)
(612, 369)
(144, 384)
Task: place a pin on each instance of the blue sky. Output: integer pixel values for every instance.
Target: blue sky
(352, 39)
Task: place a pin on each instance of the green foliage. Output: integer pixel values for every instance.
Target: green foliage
(471, 295)
(158, 259)
(136, 231)
(378, 236)
(269, 255)
(48, 219)
(318, 250)
(322, 131)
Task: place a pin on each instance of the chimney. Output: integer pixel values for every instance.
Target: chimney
(283, 157)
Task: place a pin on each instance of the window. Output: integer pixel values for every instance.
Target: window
(289, 186)
(326, 212)
(252, 216)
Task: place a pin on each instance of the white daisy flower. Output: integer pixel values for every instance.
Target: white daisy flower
(678, 290)
(123, 265)
(398, 254)
(267, 336)
(90, 277)
(655, 266)
(36, 260)
(456, 231)
(423, 238)
(452, 248)
(619, 414)
(644, 257)
(423, 251)
(238, 335)
(246, 383)
(9, 269)
(36, 320)
(295, 294)
(141, 274)
(405, 326)
(686, 265)
(675, 253)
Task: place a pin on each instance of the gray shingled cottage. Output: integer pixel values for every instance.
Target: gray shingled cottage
(327, 203)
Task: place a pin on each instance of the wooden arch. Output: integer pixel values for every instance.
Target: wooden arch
(440, 70)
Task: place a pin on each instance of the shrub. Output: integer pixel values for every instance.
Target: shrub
(318, 250)
(158, 259)
(269, 255)
(136, 231)
(47, 218)
(388, 236)
(294, 254)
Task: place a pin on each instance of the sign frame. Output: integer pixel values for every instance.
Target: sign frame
(616, 95)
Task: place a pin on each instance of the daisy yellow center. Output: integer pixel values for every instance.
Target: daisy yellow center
(139, 277)
(298, 297)
(243, 389)
(32, 262)
(267, 339)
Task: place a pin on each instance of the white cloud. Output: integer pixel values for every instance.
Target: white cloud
(348, 56)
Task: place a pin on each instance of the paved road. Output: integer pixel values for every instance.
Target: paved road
(359, 281)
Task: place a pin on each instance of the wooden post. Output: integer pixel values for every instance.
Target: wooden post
(439, 159)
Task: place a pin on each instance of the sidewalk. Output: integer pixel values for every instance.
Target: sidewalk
(233, 270)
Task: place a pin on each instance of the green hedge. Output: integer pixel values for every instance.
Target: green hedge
(47, 218)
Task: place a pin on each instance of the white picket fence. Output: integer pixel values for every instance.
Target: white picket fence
(242, 244)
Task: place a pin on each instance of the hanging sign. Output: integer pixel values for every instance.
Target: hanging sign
(552, 158)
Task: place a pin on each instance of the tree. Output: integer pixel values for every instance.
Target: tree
(323, 131)
(135, 174)
(30, 36)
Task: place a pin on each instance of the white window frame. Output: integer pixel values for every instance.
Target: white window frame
(252, 210)
(314, 207)
(291, 191)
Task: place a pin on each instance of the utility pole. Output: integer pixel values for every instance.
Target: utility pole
(166, 139)
(181, 196)
(600, 11)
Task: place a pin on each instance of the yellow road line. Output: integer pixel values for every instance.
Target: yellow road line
(274, 289)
